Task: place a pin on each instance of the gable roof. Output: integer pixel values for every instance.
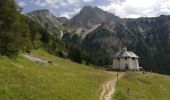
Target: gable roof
(125, 54)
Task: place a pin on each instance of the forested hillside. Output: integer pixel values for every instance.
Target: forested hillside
(147, 37)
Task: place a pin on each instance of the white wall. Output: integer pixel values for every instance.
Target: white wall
(137, 64)
(115, 64)
(132, 64)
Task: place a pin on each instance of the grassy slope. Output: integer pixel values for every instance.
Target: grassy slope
(21, 79)
(138, 86)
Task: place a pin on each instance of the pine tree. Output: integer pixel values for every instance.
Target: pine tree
(14, 31)
(75, 54)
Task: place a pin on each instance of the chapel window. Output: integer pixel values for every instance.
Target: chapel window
(125, 58)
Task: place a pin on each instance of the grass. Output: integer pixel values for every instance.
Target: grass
(138, 86)
(22, 79)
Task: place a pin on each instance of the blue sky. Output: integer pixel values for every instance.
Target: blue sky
(121, 8)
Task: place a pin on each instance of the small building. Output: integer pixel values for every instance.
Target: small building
(125, 60)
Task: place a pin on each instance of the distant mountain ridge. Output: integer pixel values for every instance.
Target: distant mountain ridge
(83, 23)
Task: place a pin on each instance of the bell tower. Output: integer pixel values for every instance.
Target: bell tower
(125, 48)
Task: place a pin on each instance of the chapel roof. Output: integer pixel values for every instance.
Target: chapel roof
(125, 53)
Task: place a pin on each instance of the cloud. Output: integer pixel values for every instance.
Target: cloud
(88, 0)
(122, 8)
(21, 4)
(138, 8)
(64, 8)
(39, 3)
(54, 3)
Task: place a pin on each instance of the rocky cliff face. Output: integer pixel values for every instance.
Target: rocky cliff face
(63, 20)
(89, 17)
(48, 21)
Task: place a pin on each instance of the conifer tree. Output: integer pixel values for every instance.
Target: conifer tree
(14, 31)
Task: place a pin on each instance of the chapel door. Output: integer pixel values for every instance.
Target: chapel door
(126, 67)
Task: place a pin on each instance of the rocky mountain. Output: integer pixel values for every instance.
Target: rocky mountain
(90, 18)
(48, 21)
(63, 20)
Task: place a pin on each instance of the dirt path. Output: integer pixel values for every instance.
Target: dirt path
(109, 88)
(35, 59)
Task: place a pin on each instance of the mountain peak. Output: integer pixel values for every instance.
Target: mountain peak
(46, 20)
(91, 16)
(43, 10)
(96, 7)
(87, 7)
(91, 9)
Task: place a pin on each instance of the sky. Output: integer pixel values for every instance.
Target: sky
(121, 8)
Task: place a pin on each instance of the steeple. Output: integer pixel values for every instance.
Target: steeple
(125, 48)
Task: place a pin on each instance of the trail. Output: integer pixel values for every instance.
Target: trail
(108, 88)
(40, 60)
(35, 59)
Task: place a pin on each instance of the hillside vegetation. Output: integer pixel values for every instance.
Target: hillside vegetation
(138, 86)
(22, 79)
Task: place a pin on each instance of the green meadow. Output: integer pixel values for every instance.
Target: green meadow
(23, 79)
(139, 86)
